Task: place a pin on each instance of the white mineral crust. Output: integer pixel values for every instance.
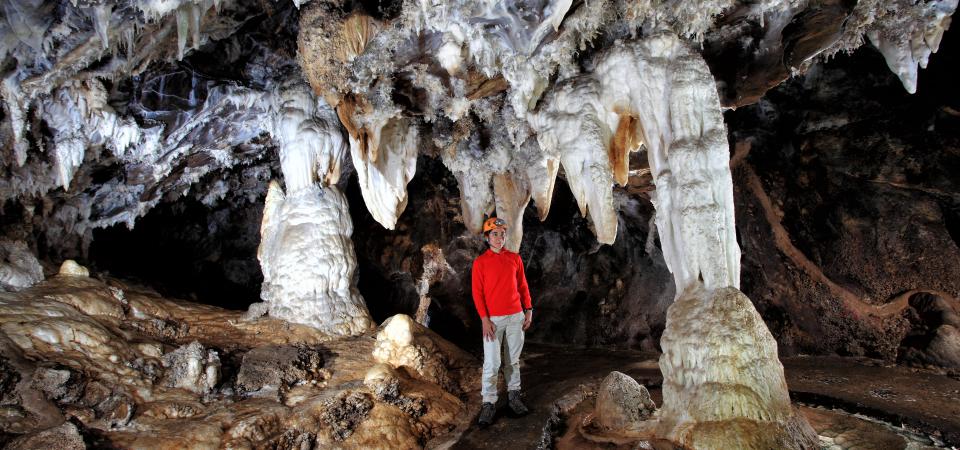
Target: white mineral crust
(19, 268)
(384, 167)
(572, 127)
(670, 89)
(912, 33)
(308, 261)
(306, 255)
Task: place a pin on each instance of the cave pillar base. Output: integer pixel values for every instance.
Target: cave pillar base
(723, 384)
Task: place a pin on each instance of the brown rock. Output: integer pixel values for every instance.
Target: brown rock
(63, 437)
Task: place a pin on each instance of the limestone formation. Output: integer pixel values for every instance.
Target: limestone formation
(723, 386)
(109, 377)
(275, 368)
(70, 268)
(19, 268)
(305, 251)
(402, 342)
(192, 367)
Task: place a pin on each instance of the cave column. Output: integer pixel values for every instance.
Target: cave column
(723, 383)
(308, 261)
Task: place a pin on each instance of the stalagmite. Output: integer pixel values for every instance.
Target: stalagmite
(723, 385)
(305, 253)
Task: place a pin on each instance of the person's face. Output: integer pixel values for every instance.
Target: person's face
(495, 238)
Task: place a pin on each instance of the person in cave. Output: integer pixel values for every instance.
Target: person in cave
(502, 298)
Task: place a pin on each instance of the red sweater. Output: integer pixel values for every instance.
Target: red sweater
(499, 284)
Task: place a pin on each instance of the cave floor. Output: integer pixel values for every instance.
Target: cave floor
(921, 404)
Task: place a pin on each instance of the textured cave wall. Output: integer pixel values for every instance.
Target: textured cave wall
(864, 179)
(864, 185)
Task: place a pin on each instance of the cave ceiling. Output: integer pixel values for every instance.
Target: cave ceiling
(112, 107)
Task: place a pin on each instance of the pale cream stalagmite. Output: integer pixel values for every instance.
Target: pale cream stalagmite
(306, 254)
(723, 383)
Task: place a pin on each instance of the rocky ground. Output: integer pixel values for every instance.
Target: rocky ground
(98, 363)
(850, 402)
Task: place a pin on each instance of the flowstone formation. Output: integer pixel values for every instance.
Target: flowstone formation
(305, 250)
(723, 385)
(112, 108)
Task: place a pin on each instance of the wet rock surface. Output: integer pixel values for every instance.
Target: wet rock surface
(566, 382)
(921, 399)
(96, 371)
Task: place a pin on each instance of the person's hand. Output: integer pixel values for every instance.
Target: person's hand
(489, 329)
(527, 319)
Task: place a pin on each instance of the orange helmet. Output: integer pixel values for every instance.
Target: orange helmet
(493, 223)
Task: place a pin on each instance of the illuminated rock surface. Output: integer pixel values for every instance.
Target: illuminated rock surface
(148, 372)
(219, 129)
(723, 385)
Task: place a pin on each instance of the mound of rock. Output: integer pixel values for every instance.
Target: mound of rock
(622, 403)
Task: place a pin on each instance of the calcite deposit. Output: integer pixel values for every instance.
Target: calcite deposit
(89, 362)
(422, 119)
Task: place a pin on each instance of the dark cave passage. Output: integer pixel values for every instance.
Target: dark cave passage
(187, 250)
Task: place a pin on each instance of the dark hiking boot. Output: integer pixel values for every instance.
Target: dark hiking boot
(486, 414)
(516, 403)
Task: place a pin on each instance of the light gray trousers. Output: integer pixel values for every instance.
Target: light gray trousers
(507, 344)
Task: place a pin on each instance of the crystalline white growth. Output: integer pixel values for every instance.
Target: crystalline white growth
(385, 167)
(910, 36)
(308, 261)
(498, 36)
(192, 367)
(155, 9)
(101, 22)
(305, 252)
(543, 177)
(681, 124)
(310, 139)
(572, 127)
(69, 154)
(450, 53)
